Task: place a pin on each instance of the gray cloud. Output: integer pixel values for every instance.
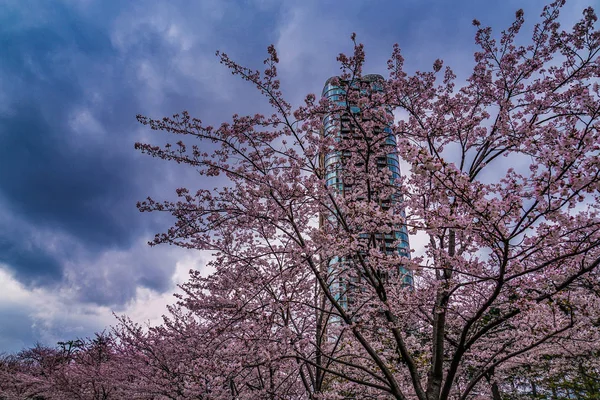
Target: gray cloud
(113, 278)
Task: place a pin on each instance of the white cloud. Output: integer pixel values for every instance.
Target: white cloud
(11, 290)
(149, 306)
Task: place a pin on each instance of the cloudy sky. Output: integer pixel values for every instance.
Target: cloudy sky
(73, 76)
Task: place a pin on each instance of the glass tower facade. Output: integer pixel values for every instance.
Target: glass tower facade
(337, 126)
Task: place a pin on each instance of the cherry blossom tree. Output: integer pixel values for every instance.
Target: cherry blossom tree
(503, 178)
(93, 370)
(26, 375)
(75, 369)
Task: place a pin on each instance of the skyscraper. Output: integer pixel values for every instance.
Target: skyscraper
(342, 127)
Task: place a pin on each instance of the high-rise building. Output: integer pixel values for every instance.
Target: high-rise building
(342, 127)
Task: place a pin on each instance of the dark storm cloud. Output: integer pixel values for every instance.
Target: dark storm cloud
(41, 174)
(52, 177)
(49, 184)
(73, 77)
(67, 165)
(32, 264)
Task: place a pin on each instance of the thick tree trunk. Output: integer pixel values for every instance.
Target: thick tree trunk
(436, 373)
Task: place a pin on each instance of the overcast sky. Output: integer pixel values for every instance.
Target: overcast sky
(73, 76)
